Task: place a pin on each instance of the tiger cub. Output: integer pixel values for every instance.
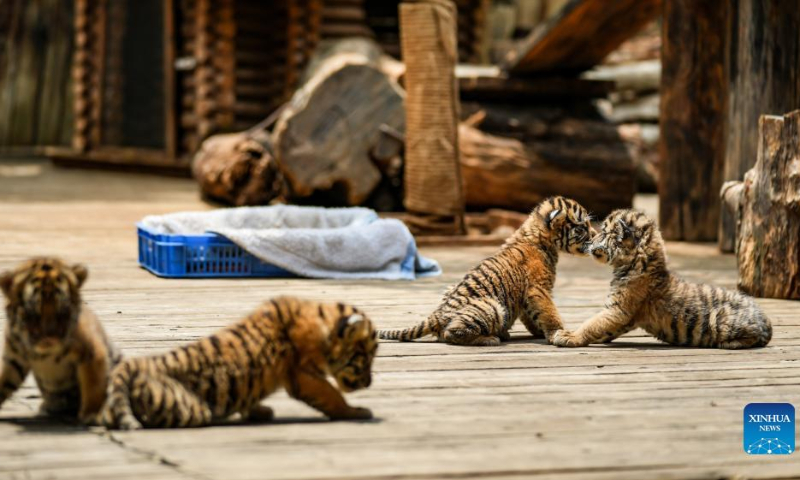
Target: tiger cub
(644, 293)
(286, 342)
(50, 333)
(516, 282)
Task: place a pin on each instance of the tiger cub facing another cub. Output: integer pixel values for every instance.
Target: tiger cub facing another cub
(287, 343)
(644, 293)
(515, 282)
(48, 332)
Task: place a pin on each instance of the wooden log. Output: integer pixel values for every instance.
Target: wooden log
(324, 138)
(507, 173)
(479, 87)
(238, 169)
(580, 35)
(693, 109)
(432, 182)
(765, 79)
(768, 238)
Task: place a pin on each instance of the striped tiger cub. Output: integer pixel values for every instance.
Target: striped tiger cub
(516, 282)
(48, 332)
(644, 293)
(286, 342)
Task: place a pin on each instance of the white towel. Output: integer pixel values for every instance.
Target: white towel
(311, 242)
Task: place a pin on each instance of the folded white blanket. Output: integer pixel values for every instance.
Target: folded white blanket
(311, 241)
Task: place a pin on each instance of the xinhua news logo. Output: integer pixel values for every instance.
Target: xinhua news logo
(769, 428)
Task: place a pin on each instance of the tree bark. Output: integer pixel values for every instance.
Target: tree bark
(324, 138)
(768, 238)
(693, 113)
(764, 80)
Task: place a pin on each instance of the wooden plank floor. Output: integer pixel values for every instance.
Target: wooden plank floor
(632, 409)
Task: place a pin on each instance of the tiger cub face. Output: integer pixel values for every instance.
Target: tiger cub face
(570, 224)
(354, 345)
(623, 237)
(43, 302)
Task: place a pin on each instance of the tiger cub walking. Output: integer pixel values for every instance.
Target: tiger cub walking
(517, 281)
(50, 333)
(644, 293)
(286, 342)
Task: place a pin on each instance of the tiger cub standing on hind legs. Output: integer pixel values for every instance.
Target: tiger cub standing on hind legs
(287, 343)
(50, 333)
(516, 282)
(644, 293)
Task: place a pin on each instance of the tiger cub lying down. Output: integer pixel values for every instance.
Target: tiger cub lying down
(287, 342)
(516, 282)
(644, 293)
(48, 332)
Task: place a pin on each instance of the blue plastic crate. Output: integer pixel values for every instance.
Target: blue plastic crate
(199, 256)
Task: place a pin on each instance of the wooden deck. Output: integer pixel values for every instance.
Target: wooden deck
(633, 409)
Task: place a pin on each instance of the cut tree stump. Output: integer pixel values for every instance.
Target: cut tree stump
(324, 137)
(693, 110)
(768, 212)
(580, 35)
(764, 80)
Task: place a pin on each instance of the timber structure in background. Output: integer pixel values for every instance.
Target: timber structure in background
(541, 132)
(514, 139)
(213, 66)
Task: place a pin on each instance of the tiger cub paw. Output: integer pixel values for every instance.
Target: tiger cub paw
(354, 413)
(129, 422)
(564, 338)
(260, 414)
(90, 419)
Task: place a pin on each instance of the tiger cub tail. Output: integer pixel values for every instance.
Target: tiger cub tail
(160, 400)
(408, 334)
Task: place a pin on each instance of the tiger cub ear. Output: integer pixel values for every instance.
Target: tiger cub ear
(626, 236)
(555, 218)
(80, 273)
(351, 327)
(5, 283)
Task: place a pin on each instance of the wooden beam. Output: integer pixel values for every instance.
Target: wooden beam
(580, 35)
(693, 109)
(515, 89)
(135, 158)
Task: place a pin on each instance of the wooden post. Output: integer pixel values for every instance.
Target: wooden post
(768, 211)
(693, 109)
(433, 190)
(764, 79)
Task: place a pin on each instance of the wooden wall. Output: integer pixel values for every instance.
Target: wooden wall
(35, 72)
